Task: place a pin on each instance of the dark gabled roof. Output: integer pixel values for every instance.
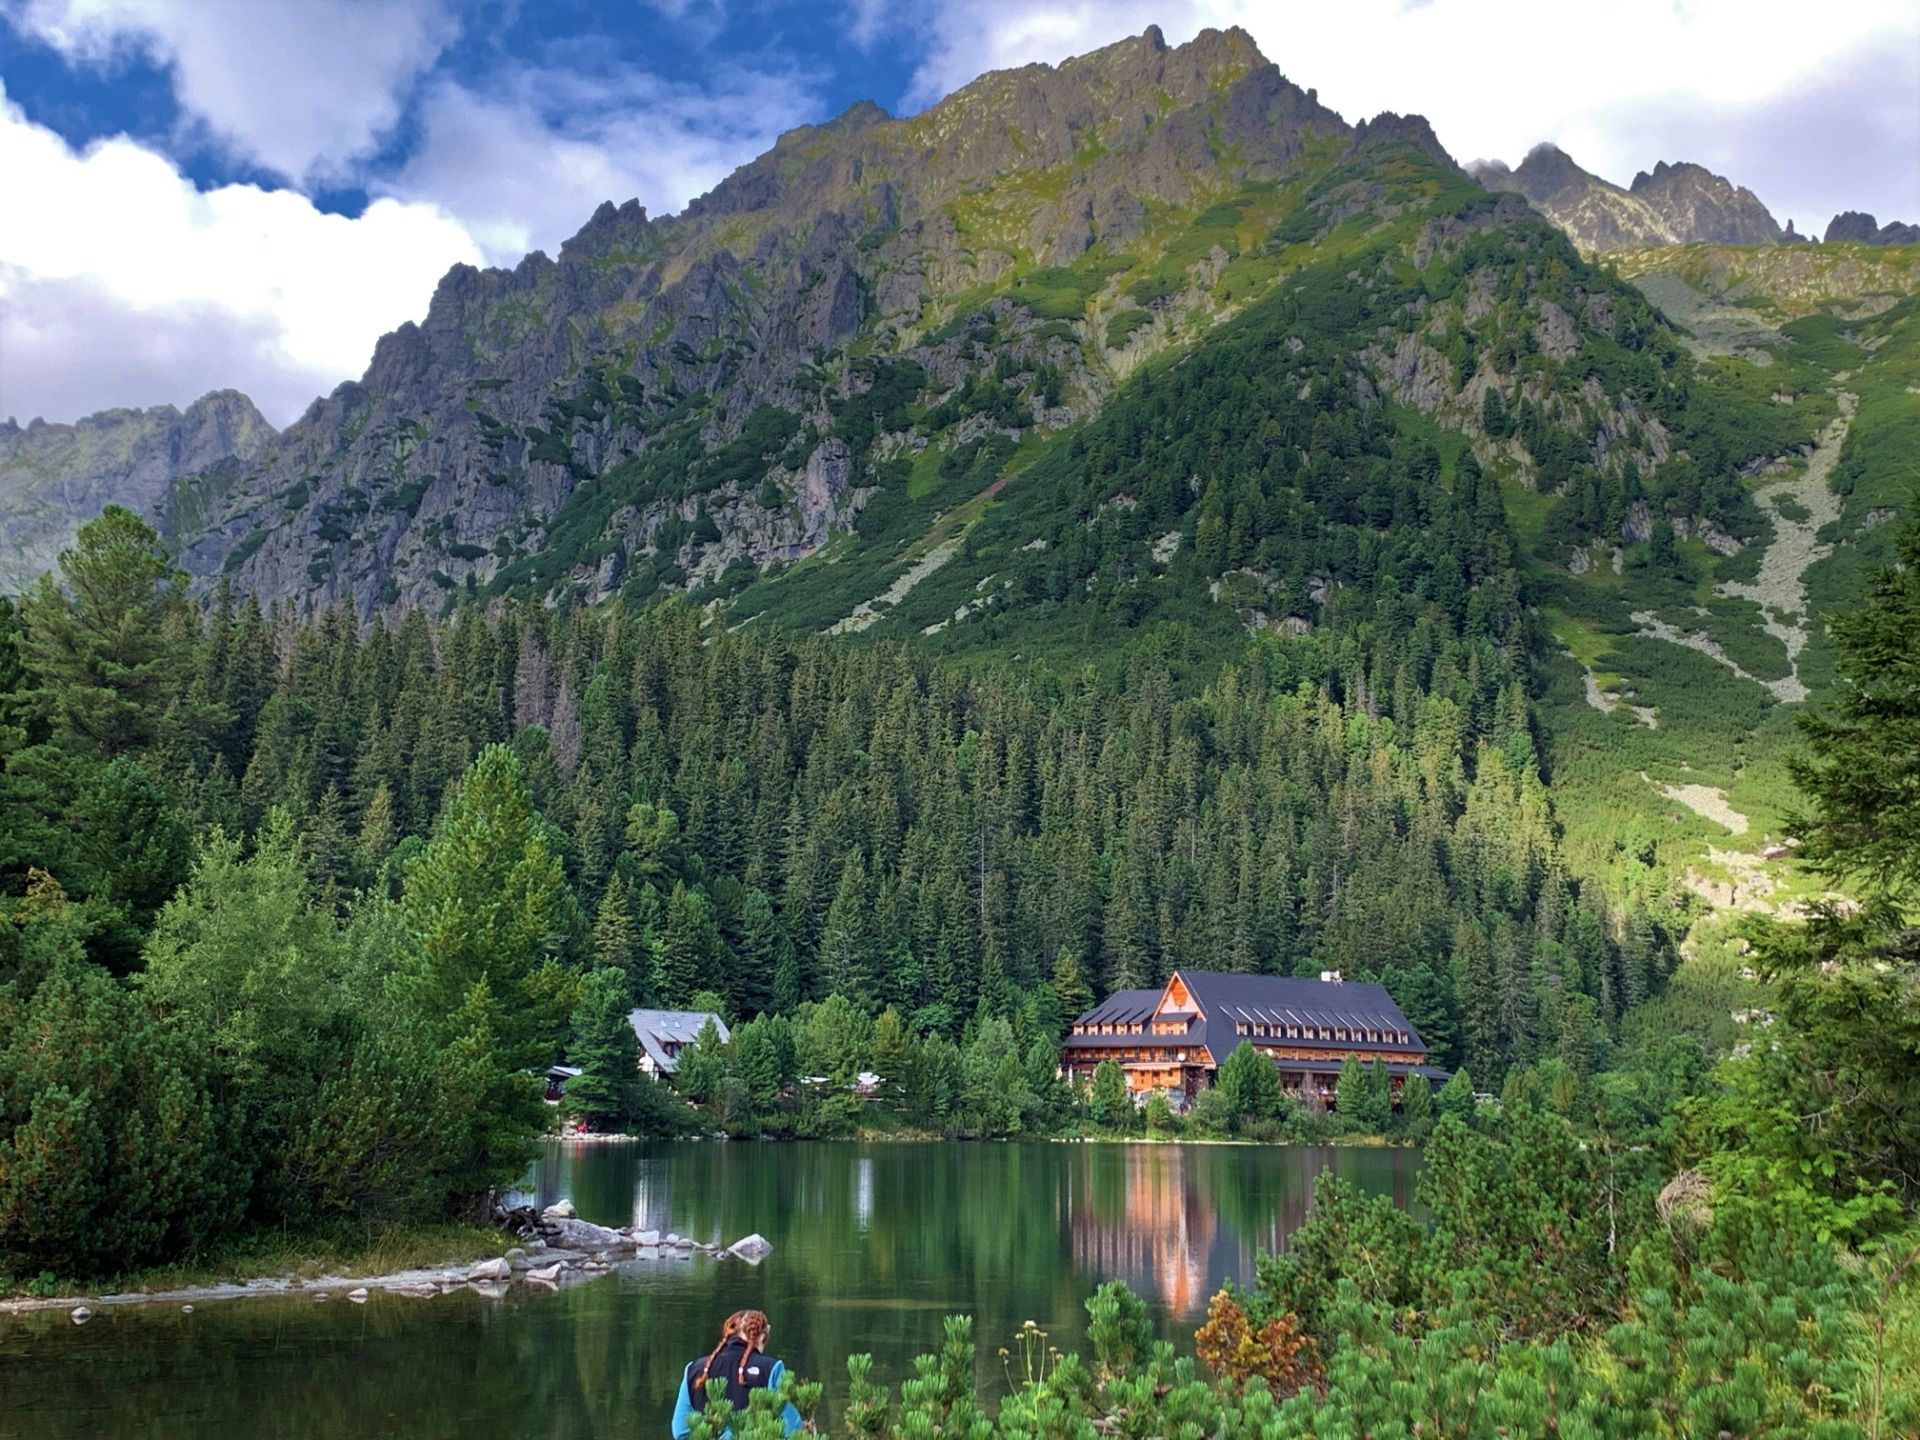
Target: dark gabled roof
(1226, 999)
(1126, 1042)
(1122, 1007)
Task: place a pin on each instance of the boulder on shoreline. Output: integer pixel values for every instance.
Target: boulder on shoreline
(751, 1248)
(583, 1235)
(490, 1270)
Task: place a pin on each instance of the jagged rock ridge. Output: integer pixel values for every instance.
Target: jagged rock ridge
(1678, 204)
(471, 432)
(872, 325)
(54, 478)
(1855, 227)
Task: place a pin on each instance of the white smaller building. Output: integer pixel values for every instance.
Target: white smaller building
(663, 1034)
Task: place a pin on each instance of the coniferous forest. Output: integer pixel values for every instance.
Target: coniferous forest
(299, 912)
(1121, 519)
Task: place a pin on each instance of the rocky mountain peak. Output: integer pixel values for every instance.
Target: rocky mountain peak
(1675, 203)
(1699, 206)
(1855, 227)
(1549, 173)
(55, 477)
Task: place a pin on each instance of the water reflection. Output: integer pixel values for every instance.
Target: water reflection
(873, 1247)
(1176, 1221)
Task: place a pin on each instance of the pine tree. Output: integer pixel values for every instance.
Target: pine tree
(1111, 1106)
(1456, 1097)
(483, 906)
(763, 950)
(1416, 1105)
(1250, 1085)
(702, 1067)
(102, 649)
(690, 947)
(616, 936)
(607, 1052)
(1070, 989)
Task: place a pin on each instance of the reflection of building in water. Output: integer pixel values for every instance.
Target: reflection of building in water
(1174, 1222)
(1162, 1241)
(863, 1192)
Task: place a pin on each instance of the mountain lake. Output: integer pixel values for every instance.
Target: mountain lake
(873, 1246)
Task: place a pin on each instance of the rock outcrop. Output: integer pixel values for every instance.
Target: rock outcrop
(1855, 227)
(677, 399)
(54, 478)
(1673, 204)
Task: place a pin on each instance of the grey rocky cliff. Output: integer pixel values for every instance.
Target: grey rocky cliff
(518, 435)
(1856, 228)
(56, 477)
(1674, 204)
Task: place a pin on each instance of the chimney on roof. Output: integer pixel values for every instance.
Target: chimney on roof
(1329, 977)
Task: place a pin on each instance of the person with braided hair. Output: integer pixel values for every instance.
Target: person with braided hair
(742, 1362)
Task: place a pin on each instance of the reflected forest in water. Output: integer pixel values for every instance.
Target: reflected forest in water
(873, 1246)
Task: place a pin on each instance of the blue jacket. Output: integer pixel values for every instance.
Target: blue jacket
(683, 1411)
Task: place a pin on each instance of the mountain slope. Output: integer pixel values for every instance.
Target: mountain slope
(54, 478)
(1152, 350)
(733, 368)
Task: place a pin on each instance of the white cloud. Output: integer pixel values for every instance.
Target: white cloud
(527, 163)
(1618, 86)
(302, 89)
(121, 283)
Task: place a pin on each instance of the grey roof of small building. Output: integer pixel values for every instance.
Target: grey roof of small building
(657, 1028)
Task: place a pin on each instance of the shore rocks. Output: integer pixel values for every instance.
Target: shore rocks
(358, 1296)
(81, 1314)
(549, 1275)
(751, 1248)
(559, 1210)
(584, 1235)
(490, 1270)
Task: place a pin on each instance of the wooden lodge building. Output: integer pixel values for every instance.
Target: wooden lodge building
(1175, 1038)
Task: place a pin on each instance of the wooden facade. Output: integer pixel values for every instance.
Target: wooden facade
(1174, 1039)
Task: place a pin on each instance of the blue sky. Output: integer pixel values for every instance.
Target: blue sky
(247, 193)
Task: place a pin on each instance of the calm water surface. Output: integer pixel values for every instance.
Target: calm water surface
(873, 1246)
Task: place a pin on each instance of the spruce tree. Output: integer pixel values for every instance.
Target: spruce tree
(103, 654)
(607, 1052)
(1416, 1105)
(1110, 1105)
(1250, 1084)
